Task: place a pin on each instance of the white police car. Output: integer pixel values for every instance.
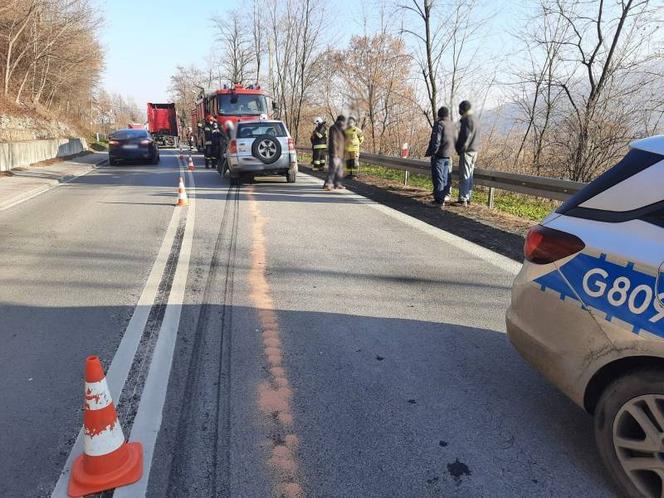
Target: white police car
(587, 311)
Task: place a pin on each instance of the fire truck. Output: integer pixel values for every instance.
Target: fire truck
(229, 104)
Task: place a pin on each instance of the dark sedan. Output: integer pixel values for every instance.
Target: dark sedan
(132, 145)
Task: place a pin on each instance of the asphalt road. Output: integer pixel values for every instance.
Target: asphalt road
(314, 344)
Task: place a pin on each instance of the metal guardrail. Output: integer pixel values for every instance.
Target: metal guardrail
(539, 186)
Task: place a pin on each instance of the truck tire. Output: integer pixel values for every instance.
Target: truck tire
(266, 149)
(629, 431)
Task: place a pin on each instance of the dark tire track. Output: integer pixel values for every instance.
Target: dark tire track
(200, 466)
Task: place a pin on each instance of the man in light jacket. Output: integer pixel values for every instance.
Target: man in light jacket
(440, 151)
(467, 146)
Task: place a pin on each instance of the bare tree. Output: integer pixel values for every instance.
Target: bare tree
(295, 30)
(235, 42)
(605, 53)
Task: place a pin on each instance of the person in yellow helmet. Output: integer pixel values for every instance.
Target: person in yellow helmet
(354, 139)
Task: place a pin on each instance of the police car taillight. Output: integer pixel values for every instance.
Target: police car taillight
(545, 245)
(232, 147)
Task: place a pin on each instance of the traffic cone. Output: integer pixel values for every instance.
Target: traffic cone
(191, 164)
(182, 194)
(108, 460)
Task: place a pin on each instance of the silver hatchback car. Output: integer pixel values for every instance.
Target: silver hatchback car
(260, 148)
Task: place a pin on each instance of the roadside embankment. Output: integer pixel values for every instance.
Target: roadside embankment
(22, 154)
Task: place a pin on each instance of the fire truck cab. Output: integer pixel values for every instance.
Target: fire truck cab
(229, 105)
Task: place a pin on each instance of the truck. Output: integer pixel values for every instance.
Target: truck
(229, 105)
(162, 124)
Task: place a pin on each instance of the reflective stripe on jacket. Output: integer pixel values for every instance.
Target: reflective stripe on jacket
(319, 138)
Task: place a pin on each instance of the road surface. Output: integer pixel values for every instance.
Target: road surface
(271, 340)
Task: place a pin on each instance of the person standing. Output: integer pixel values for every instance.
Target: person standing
(467, 146)
(319, 145)
(354, 139)
(440, 151)
(335, 149)
(209, 132)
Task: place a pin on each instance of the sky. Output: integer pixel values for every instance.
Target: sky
(144, 40)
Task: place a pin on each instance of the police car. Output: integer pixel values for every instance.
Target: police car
(587, 310)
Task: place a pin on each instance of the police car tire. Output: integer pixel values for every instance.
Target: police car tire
(614, 397)
(254, 149)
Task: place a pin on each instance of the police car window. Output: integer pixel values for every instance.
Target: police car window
(656, 217)
(634, 162)
(256, 130)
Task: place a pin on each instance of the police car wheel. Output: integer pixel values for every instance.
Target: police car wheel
(266, 149)
(629, 431)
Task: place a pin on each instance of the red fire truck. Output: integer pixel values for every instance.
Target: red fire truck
(229, 105)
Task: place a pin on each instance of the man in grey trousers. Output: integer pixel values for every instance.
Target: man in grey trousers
(467, 146)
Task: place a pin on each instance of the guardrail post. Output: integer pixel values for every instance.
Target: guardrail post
(492, 193)
(405, 178)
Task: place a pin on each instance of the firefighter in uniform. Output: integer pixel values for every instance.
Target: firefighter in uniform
(319, 145)
(212, 138)
(354, 138)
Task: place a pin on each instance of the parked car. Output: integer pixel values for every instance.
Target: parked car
(587, 311)
(132, 145)
(258, 148)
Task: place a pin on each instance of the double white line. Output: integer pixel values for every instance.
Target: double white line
(149, 415)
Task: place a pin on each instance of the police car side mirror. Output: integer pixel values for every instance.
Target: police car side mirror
(659, 287)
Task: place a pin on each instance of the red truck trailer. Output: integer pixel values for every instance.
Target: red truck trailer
(229, 105)
(163, 124)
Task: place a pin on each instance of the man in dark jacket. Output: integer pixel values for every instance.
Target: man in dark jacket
(440, 152)
(467, 146)
(336, 144)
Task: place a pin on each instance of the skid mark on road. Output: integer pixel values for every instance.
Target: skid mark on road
(274, 394)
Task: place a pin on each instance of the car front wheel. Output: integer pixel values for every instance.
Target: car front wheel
(629, 430)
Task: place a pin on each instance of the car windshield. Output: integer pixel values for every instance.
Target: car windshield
(128, 134)
(240, 105)
(252, 130)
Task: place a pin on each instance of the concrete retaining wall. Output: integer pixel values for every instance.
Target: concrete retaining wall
(20, 154)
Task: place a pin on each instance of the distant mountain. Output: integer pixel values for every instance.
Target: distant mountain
(502, 119)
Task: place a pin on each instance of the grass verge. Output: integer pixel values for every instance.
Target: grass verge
(523, 206)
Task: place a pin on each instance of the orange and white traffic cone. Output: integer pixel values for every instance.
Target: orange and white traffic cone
(108, 460)
(182, 194)
(191, 164)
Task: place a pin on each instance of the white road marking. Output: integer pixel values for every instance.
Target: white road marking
(150, 409)
(124, 356)
(493, 258)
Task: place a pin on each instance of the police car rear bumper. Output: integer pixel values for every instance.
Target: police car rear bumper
(557, 336)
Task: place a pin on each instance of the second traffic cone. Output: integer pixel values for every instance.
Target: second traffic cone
(182, 194)
(108, 460)
(191, 164)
